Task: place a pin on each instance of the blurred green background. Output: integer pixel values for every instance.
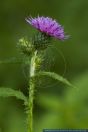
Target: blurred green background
(55, 105)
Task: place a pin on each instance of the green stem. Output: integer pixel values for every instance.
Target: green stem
(31, 91)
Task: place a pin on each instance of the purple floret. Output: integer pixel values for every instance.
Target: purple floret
(48, 26)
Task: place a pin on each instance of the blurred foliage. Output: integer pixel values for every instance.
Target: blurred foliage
(55, 106)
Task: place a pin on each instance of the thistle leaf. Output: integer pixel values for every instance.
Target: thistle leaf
(56, 77)
(12, 60)
(8, 92)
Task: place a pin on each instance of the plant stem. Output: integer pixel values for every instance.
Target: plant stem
(31, 91)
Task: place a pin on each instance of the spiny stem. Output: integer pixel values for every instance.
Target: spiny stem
(31, 91)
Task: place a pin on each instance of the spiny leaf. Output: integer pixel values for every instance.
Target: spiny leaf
(56, 77)
(8, 92)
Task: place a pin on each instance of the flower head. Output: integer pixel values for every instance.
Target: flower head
(48, 26)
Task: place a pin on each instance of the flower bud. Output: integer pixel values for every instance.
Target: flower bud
(25, 46)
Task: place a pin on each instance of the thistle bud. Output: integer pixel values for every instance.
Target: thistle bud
(25, 46)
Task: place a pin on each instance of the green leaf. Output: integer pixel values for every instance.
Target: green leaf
(8, 92)
(56, 77)
(12, 60)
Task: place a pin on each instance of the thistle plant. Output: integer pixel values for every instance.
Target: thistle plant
(33, 48)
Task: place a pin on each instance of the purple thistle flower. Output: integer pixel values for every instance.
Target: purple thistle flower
(48, 26)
